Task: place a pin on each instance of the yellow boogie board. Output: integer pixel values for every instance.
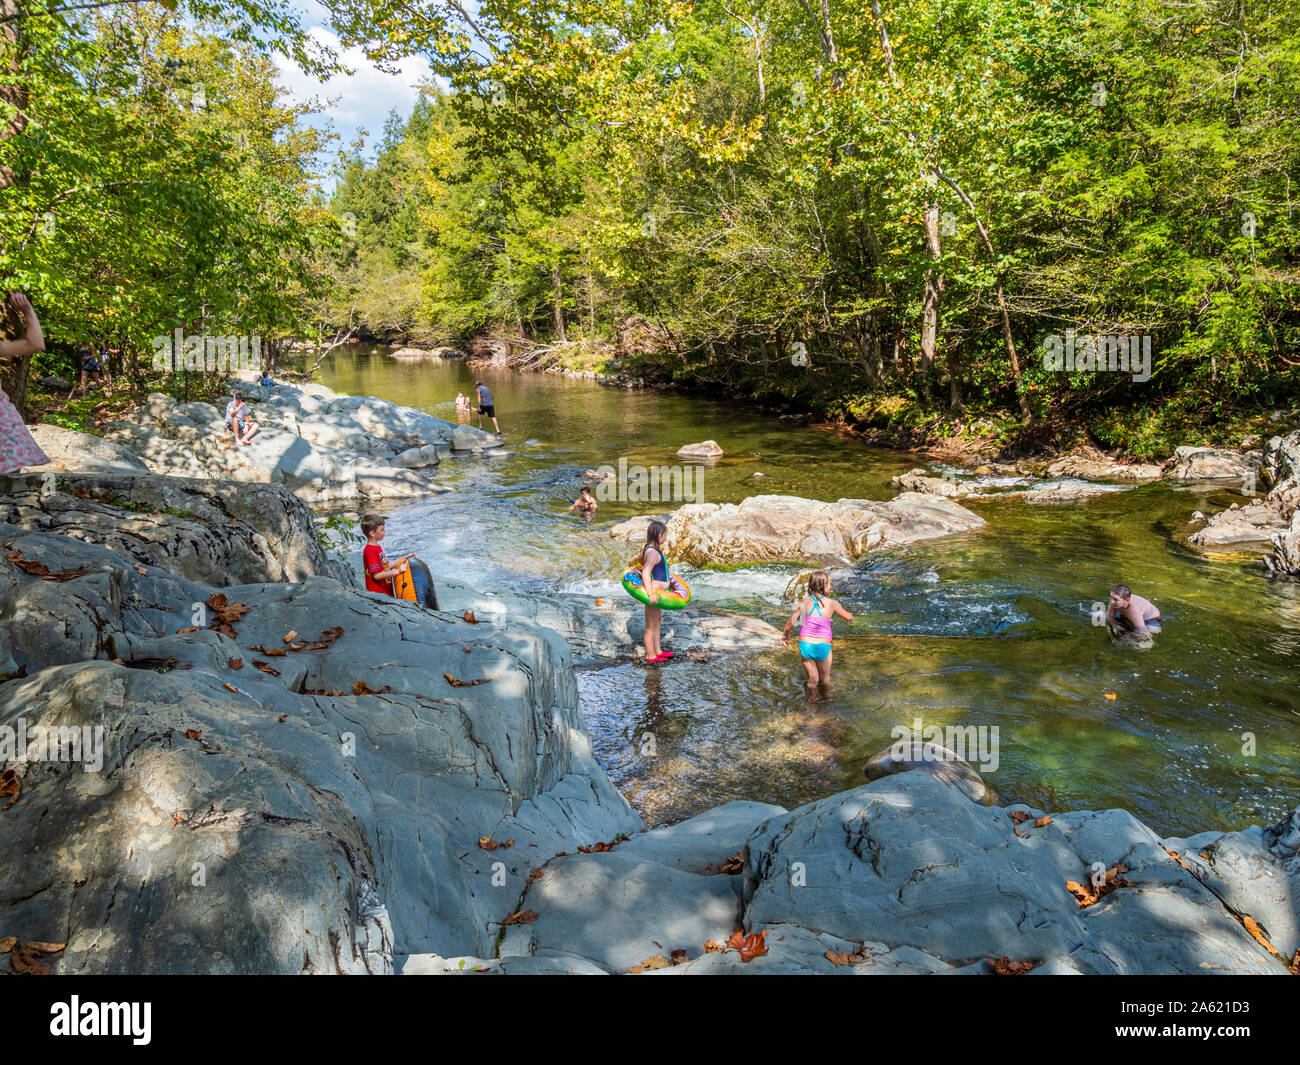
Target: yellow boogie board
(404, 585)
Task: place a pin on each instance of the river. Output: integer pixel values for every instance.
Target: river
(986, 629)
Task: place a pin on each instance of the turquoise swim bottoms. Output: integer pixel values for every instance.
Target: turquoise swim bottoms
(815, 651)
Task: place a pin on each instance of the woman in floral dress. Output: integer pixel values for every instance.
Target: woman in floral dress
(17, 448)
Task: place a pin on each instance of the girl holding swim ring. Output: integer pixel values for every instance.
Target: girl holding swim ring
(655, 578)
(814, 614)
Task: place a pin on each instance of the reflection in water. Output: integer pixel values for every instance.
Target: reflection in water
(988, 629)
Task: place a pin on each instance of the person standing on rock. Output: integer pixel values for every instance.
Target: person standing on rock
(17, 446)
(814, 614)
(654, 578)
(485, 406)
(380, 572)
(1129, 614)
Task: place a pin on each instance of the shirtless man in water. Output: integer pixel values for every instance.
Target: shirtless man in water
(1132, 613)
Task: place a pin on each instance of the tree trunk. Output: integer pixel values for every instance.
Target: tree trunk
(930, 301)
(559, 306)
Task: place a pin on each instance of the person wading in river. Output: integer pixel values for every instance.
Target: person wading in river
(814, 614)
(1129, 613)
(654, 578)
(485, 406)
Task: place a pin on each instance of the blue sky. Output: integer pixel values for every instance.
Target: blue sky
(361, 100)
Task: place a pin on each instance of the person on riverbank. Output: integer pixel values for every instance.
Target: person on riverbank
(1129, 614)
(814, 614)
(89, 366)
(485, 406)
(18, 448)
(380, 573)
(655, 578)
(585, 503)
(238, 421)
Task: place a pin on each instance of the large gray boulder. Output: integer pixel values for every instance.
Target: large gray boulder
(211, 532)
(70, 450)
(1211, 464)
(792, 529)
(241, 821)
(909, 861)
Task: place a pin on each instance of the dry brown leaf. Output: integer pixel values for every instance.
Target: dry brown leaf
(189, 628)
(7, 943)
(489, 844)
(1088, 895)
(734, 864)
(839, 958)
(469, 616)
(265, 667)
(362, 688)
(465, 683)
(750, 946)
(283, 717)
(522, 917)
(536, 874)
(193, 734)
(39, 569)
(274, 652)
(1004, 966)
(10, 785)
(231, 687)
(1044, 820)
(236, 663)
(289, 636)
(657, 961)
(1019, 817)
(26, 965)
(1295, 964)
(224, 609)
(713, 947)
(37, 947)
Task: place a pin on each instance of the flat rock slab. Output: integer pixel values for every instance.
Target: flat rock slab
(1211, 464)
(791, 529)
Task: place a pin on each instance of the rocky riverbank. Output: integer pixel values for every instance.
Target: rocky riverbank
(278, 772)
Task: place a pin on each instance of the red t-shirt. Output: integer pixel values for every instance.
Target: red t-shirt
(372, 561)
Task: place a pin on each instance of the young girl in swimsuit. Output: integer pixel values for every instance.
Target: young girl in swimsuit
(655, 578)
(814, 614)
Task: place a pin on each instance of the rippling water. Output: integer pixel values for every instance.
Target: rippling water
(987, 629)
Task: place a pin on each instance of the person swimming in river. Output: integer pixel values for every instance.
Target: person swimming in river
(586, 502)
(814, 614)
(1131, 614)
(655, 578)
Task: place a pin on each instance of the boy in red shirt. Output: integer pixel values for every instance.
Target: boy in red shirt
(380, 572)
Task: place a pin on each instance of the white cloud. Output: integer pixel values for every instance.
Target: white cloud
(361, 100)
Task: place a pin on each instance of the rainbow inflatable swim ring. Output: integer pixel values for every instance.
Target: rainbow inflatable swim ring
(635, 587)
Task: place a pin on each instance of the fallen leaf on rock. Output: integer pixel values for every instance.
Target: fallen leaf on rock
(465, 683)
(140, 569)
(39, 569)
(489, 844)
(265, 667)
(469, 616)
(1089, 895)
(522, 917)
(190, 628)
(750, 946)
(536, 874)
(1044, 820)
(176, 818)
(25, 965)
(327, 637)
(289, 636)
(10, 785)
(283, 717)
(231, 687)
(1295, 964)
(193, 733)
(734, 864)
(362, 688)
(713, 947)
(657, 961)
(839, 958)
(679, 956)
(224, 609)
(1004, 966)
(236, 663)
(274, 652)
(596, 848)
(37, 947)
(1112, 696)
(7, 943)
(1019, 817)
(225, 628)
(301, 645)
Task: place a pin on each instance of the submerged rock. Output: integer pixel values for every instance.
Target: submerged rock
(938, 761)
(707, 449)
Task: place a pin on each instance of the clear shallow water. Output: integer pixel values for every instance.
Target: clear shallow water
(987, 629)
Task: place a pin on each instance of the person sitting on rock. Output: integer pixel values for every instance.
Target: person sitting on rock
(238, 420)
(380, 573)
(1131, 614)
(586, 502)
(266, 381)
